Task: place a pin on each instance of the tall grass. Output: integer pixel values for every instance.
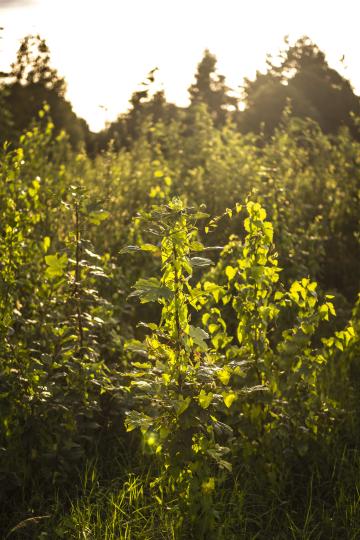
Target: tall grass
(322, 503)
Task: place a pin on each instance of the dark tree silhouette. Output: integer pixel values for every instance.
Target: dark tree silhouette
(303, 78)
(32, 66)
(147, 107)
(210, 88)
(31, 83)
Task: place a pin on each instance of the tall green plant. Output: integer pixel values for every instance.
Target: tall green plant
(176, 399)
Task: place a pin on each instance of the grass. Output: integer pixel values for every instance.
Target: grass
(322, 503)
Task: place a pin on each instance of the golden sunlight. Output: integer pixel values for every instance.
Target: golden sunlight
(105, 49)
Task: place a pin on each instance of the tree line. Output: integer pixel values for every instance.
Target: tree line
(299, 77)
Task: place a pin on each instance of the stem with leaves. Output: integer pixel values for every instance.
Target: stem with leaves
(77, 284)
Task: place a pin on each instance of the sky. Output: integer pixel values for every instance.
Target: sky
(104, 49)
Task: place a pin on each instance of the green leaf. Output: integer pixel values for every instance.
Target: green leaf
(229, 398)
(214, 289)
(46, 243)
(200, 262)
(149, 247)
(331, 308)
(268, 231)
(150, 290)
(150, 326)
(230, 272)
(198, 335)
(223, 464)
(182, 404)
(197, 246)
(224, 375)
(200, 215)
(135, 419)
(141, 365)
(258, 388)
(339, 345)
(137, 347)
(217, 454)
(213, 328)
(129, 249)
(208, 486)
(56, 264)
(205, 399)
(144, 247)
(350, 330)
(92, 254)
(97, 217)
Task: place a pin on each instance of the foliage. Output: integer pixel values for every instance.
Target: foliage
(147, 106)
(244, 384)
(210, 88)
(31, 83)
(260, 393)
(32, 65)
(300, 75)
(52, 374)
(174, 384)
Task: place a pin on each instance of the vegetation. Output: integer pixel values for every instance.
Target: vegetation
(179, 315)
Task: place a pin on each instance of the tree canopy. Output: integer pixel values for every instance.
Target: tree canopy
(210, 88)
(31, 82)
(303, 79)
(299, 79)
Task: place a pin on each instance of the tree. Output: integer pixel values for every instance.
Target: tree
(31, 83)
(5, 114)
(211, 89)
(32, 66)
(147, 107)
(6, 121)
(303, 78)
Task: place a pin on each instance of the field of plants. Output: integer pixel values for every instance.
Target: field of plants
(180, 322)
(180, 335)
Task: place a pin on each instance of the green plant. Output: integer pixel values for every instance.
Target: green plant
(175, 396)
(256, 388)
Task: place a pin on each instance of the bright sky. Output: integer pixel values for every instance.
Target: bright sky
(106, 48)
